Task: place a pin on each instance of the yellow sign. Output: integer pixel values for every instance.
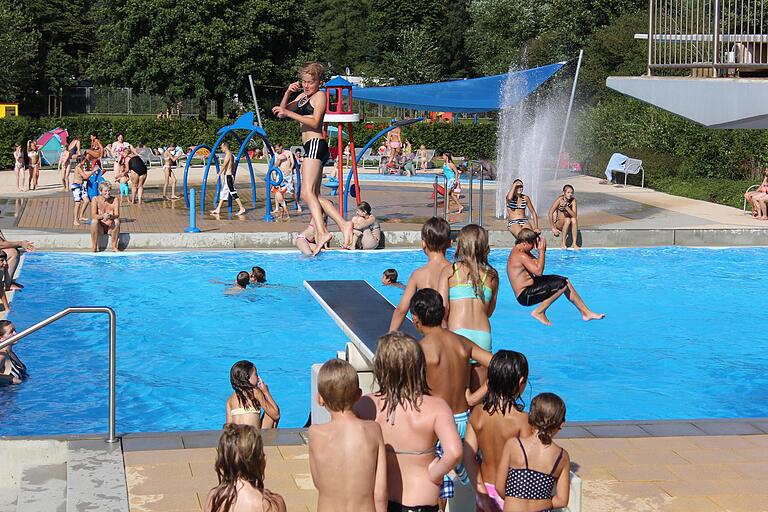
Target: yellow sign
(9, 110)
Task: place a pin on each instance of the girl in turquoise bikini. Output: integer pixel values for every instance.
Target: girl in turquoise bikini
(472, 287)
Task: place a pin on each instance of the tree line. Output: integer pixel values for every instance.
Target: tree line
(206, 48)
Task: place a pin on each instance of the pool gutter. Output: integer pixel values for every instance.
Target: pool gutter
(593, 238)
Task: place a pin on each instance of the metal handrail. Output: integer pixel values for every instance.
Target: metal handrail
(445, 196)
(112, 335)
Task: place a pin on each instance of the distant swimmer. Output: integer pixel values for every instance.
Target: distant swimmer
(389, 278)
(12, 370)
(532, 287)
(241, 283)
(258, 275)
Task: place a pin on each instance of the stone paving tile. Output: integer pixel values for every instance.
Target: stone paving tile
(691, 504)
(725, 442)
(742, 503)
(294, 452)
(658, 443)
(618, 431)
(151, 443)
(165, 502)
(697, 487)
(574, 432)
(642, 473)
(728, 428)
(710, 455)
(164, 456)
(673, 429)
(704, 472)
(751, 469)
(656, 456)
(606, 496)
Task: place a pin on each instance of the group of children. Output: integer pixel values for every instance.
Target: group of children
(447, 408)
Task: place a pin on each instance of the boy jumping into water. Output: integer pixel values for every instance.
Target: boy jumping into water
(447, 358)
(435, 240)
(347, 457)
(532, 287)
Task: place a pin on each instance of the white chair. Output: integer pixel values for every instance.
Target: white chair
(750, 189)
(620, 163)
(417, 160)
(368, 156)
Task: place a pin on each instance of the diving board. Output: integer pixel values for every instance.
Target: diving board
(362, 313)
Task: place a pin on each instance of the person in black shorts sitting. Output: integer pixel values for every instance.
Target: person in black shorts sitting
(531, 287)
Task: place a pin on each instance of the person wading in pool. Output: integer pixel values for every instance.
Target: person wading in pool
(308, 109)
(532, 287)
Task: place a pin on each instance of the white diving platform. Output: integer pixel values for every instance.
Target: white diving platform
(362, 313)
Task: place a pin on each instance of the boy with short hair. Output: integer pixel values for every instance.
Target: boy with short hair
(346, 456)
(389, 278)
(435, 240)
(447, 356)
(78, 188)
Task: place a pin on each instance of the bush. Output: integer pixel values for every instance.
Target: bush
(460, 139)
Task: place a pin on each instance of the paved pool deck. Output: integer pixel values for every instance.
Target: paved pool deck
(709, 466)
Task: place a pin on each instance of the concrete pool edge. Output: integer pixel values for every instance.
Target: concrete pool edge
(592, 238)
(192, 439)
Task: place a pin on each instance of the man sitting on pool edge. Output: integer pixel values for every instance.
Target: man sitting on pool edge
(105, 216)
(532, 287)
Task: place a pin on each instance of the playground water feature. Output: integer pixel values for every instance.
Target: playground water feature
(527, 141)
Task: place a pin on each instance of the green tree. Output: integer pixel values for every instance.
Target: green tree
(202, 48)
(20, 45)
(340, 29)
(416, 60)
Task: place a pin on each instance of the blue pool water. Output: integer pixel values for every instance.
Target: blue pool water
(681, 338)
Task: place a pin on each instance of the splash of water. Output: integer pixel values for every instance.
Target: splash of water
(527, 142)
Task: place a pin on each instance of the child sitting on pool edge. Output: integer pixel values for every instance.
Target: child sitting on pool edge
(240, 468)
(389, 278)
(347, 457)
(251, 394)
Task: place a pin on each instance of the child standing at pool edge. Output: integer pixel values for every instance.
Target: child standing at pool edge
(435, 240)
(346, 456)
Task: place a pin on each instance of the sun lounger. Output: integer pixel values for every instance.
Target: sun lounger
(368, 156)
(626, 165)
(362, 313)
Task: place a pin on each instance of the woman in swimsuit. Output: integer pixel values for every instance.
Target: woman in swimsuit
(244, 406)
(562, 214)
(308, 109)
(240, 468)
(411, 422)
(517, 202)
(451, 173)
(534, 472)
(501, 417)
(34, 164)
(74, 146)
(367, 232)
(138, 171)
(12, 370)
(65, 165)
(19, 167)
(472, 286)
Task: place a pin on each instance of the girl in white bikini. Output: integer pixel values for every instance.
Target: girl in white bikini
(251, 394)
(18, 166)
(34, 164)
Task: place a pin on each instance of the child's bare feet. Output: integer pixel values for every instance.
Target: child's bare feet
(75, 223)
(593, 316)
(347, 231)
(541, 316)
(242, 211)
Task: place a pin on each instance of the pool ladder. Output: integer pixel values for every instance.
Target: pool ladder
(112, 335)
(472, 165)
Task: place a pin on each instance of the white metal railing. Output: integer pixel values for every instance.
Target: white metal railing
(723, 36)
(112, 339)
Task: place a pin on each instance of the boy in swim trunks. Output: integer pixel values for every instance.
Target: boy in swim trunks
(122, 179)
(435, 240)
(447, 356)
(347, 457)
(79, 193)
(531, 287)
(228, 183)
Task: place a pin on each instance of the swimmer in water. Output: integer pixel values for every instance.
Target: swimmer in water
(389, 278)
(258, 275)
(532, 287)
(241, 283)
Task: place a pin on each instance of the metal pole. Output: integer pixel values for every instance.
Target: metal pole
(651, 14)
(112, 350)
(192, 214)
(482, 196)
(470, 191)
(570, 106)
(716, 38)
(434, 204)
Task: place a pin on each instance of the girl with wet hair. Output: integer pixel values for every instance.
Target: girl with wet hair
(517, 204)
(411, 422)
(501, 417)
(251, 403)
(472, 286)
(240, 467)
(534, 472)
(563, 216)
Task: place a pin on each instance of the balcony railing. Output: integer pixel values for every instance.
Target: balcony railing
(710, 37)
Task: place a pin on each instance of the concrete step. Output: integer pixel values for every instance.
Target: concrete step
(96, 477)
(8, 499)
(43, 488)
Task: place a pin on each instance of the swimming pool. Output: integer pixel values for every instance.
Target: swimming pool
(681, 338)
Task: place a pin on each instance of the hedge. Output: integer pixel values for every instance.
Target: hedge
(461, 139)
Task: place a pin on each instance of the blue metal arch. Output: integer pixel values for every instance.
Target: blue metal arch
(189, 163)
(224, 132)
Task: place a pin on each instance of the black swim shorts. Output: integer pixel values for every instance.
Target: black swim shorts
(393, 506)
(317, 149)
(543, 287)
